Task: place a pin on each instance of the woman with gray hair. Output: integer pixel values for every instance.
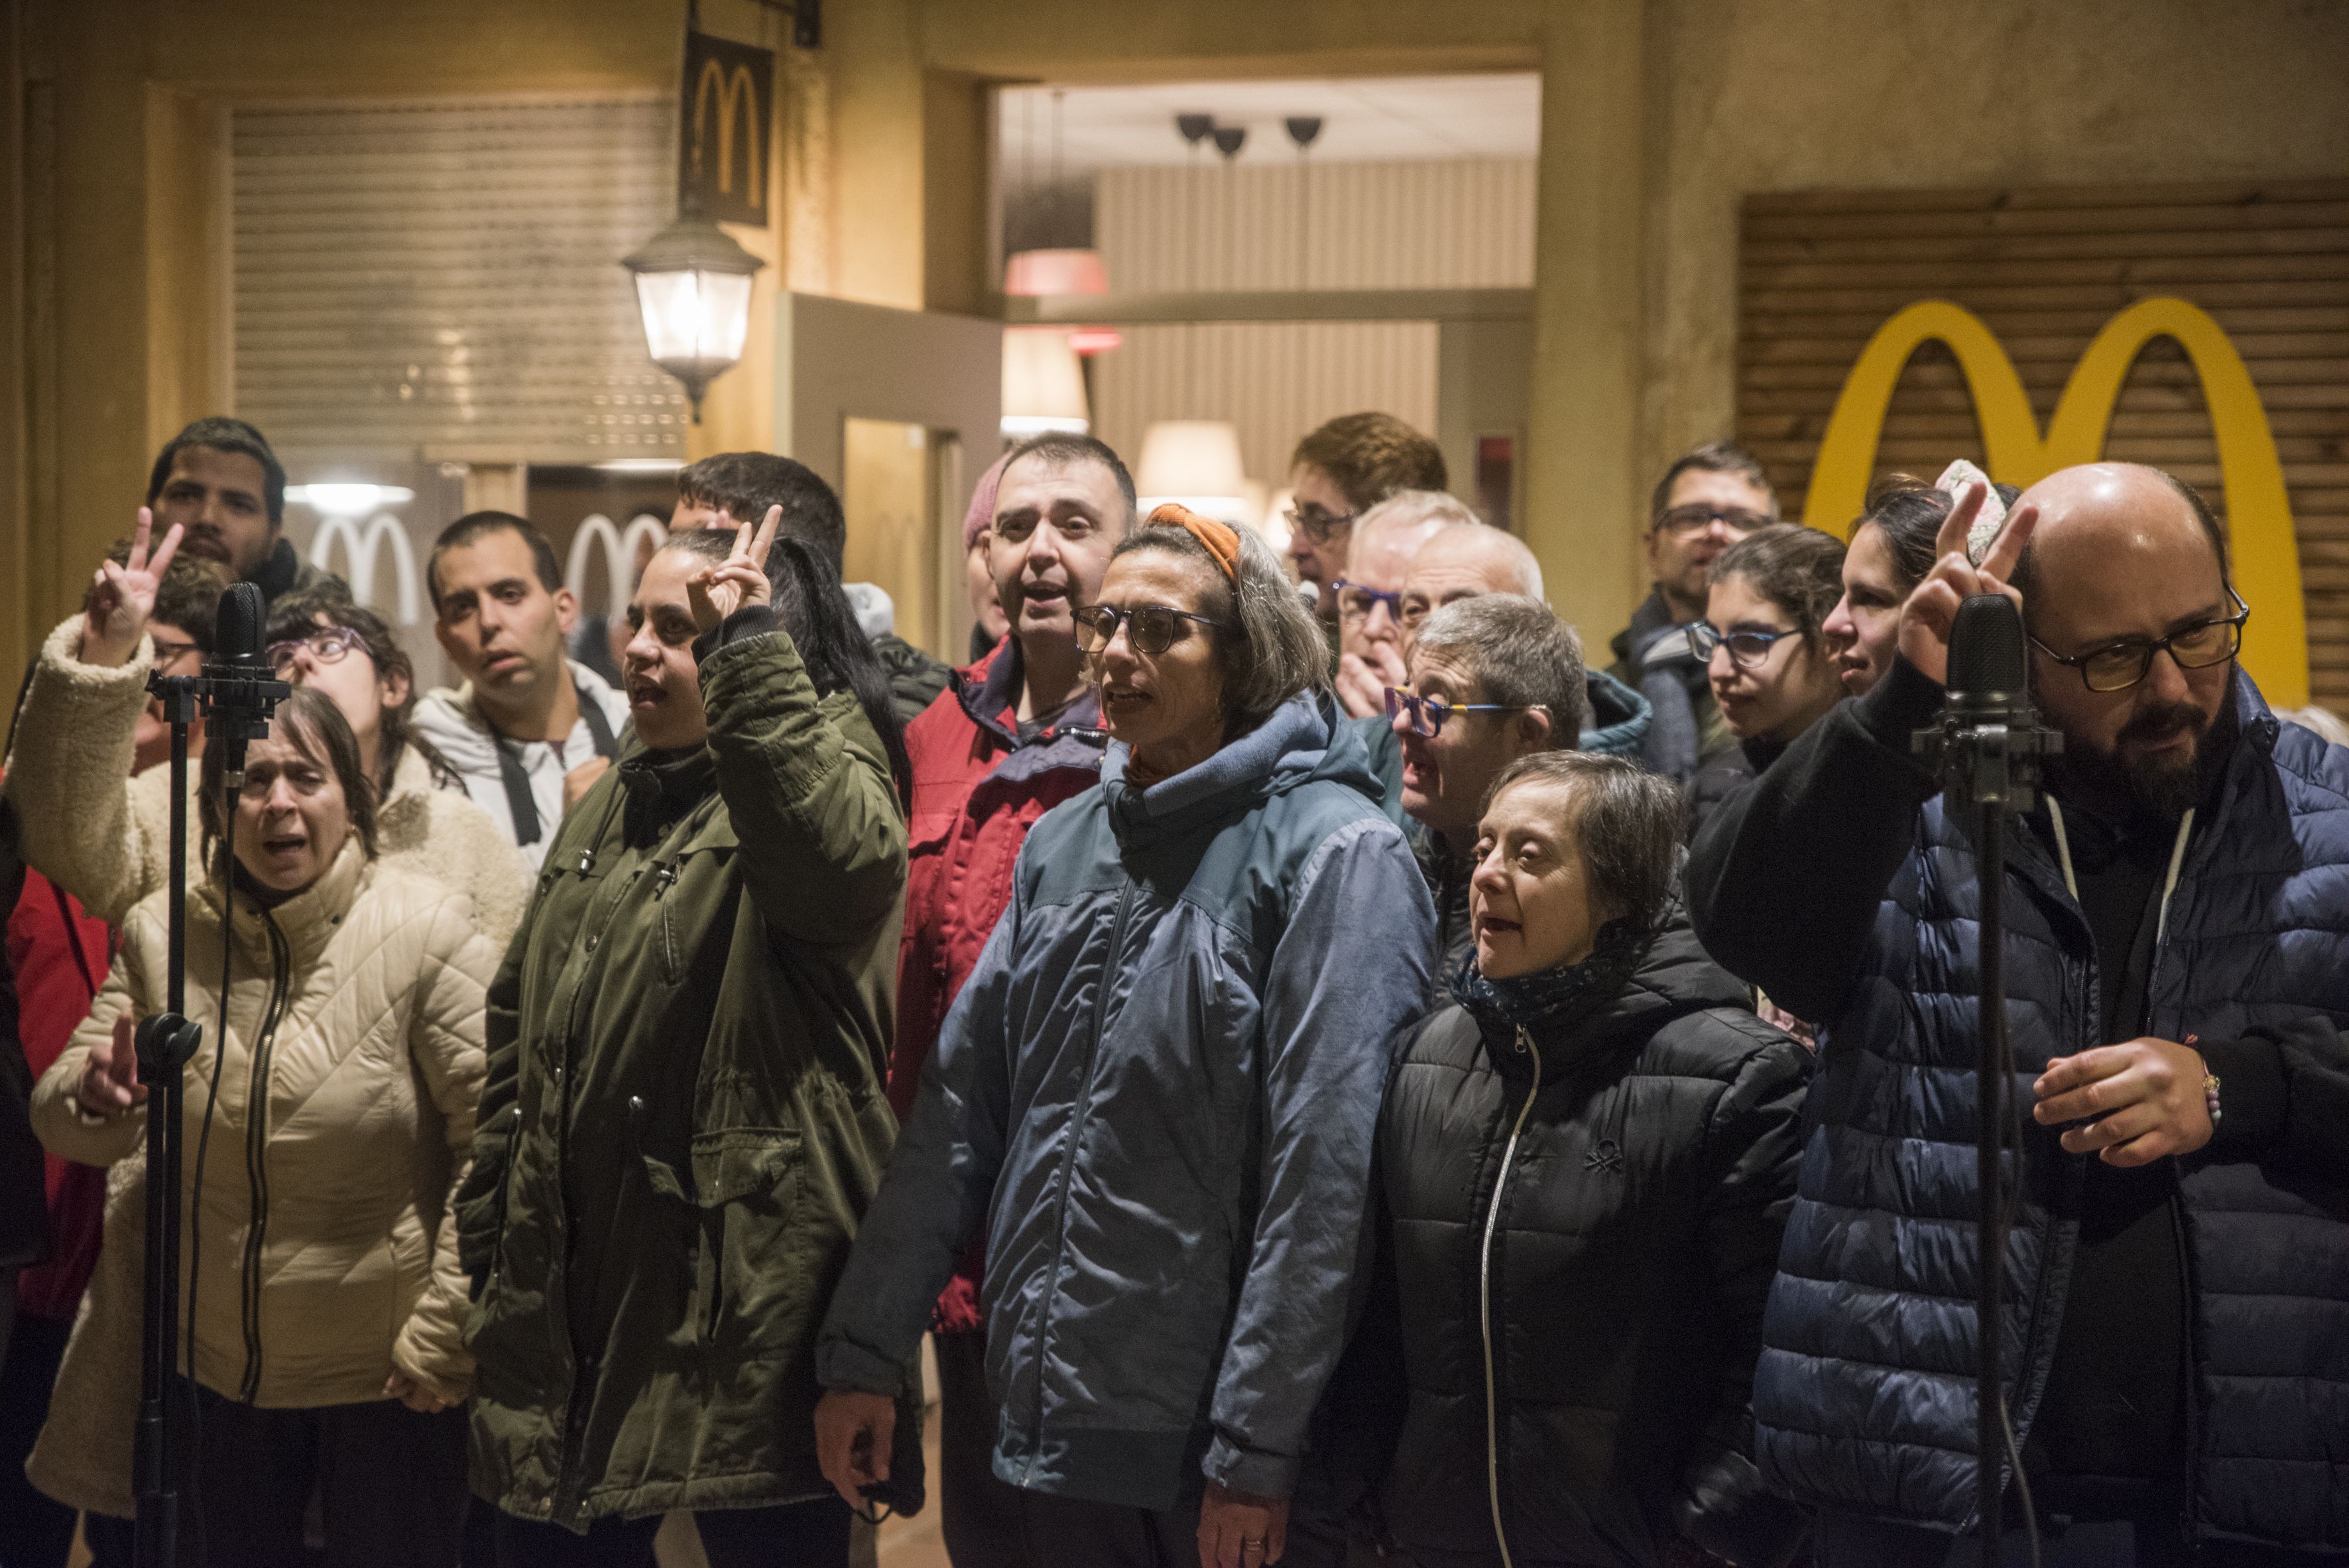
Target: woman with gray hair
(1586, 1162)
(1155, 1098)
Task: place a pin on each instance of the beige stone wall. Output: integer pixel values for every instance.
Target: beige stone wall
(1658, 117)
(1782, 94)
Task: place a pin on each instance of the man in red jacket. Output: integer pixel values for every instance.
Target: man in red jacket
(1013, 736)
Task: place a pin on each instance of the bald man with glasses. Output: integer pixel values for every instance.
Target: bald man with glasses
(2177, 961)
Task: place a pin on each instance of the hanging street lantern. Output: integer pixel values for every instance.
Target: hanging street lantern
(693, 289)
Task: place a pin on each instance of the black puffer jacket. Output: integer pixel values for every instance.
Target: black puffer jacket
(1631, 1215)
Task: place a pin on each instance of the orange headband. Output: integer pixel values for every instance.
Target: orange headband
(1222, 543)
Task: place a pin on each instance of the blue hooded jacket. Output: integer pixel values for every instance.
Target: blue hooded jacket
(1158, 1094)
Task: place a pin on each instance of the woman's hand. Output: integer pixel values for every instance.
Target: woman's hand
(1932, 607)
(110, 1076)
(1236, 1531)
(421, 1395)
(853, 1434)
(717, 591)
(121, 598)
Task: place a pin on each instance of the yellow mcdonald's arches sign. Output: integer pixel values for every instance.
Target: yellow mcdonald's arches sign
(2259, 512)
(727, 94)
(733, 92)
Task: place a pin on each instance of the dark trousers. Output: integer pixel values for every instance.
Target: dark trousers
(813, 1534)
(390, 1484)
(979, 1513)
(1843, 1541)
(35, 1532)
(1060, 1533)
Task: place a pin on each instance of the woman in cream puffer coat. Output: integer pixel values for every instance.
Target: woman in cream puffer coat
(328, 1278)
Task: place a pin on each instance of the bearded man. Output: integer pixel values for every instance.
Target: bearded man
(2178, 971)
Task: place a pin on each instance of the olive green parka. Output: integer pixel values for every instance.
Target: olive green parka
(684, 1117)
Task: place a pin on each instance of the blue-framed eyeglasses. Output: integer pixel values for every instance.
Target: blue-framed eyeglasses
(1428, 712)
(1357, 600)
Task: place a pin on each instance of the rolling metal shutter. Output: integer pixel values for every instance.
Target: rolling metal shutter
(430, 277)
(2045, 270)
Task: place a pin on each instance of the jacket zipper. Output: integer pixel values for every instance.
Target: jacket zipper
(1484, 1296)
(1067, 1167)
(256, 1161)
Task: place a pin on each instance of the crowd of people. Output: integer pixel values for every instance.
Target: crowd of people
(1336, 1076)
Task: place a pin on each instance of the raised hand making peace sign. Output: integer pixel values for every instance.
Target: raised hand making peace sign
(1932, 607)
(121, 598)
(717, 591)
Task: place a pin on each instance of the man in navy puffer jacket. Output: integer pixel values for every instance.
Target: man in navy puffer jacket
(2178, 1319)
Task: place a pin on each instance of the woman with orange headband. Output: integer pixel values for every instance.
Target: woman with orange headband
(1158, 1091)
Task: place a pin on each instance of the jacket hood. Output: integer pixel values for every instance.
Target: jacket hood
(452, 721)
(1305, 740)
(1619, 717)
(1674, 977)
(1652, 617)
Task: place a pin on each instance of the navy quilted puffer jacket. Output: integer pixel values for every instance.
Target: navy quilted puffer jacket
(1864, 1399)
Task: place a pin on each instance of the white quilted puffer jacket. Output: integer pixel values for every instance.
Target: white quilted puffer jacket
(345, 1118)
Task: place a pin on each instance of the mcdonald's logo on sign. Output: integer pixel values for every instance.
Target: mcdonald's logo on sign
(2258, 510)
(360, 543)
(724, 124)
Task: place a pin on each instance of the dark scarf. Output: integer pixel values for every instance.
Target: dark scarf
(1557, 996)
(662, 785)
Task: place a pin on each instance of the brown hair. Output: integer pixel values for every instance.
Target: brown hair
(1369, 456)
(319, 730)
(1626, 821)
(1798, 569)
(1268, 643)
(1713, 457)
(298, 614)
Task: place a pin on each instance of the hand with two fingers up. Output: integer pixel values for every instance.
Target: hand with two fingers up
(1931, 608)
(716, 592)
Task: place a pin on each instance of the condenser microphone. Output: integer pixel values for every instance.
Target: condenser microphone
(1986, 678)
(1988, 745)
(239, 689)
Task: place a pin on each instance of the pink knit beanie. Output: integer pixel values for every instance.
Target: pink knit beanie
(981, 515)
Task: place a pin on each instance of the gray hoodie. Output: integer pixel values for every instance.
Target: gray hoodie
(454, 726)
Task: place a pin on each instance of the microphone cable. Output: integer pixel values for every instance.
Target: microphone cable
(194, 1474)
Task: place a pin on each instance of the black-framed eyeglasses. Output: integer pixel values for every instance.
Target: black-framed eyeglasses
(1428, 714)
(170, 651)
(1748, 649)
(1683, 521)
(2119, 666)
(1316, 525)
(327, 645)
(1150, 628)
(1357, 600)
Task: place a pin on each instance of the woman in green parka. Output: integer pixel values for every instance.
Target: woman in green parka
(683, 1116)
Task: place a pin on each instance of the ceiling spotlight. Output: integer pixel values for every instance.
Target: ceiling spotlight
(1303, 128)
(1194, 128)
(1229, 137)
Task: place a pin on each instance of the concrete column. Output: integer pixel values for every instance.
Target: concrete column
(1583, 503)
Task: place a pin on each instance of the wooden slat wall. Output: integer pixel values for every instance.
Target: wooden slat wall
(2045, 269)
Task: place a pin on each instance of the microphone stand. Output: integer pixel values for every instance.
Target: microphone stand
(239, 703)
(1987, 748)
(166, 1043)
